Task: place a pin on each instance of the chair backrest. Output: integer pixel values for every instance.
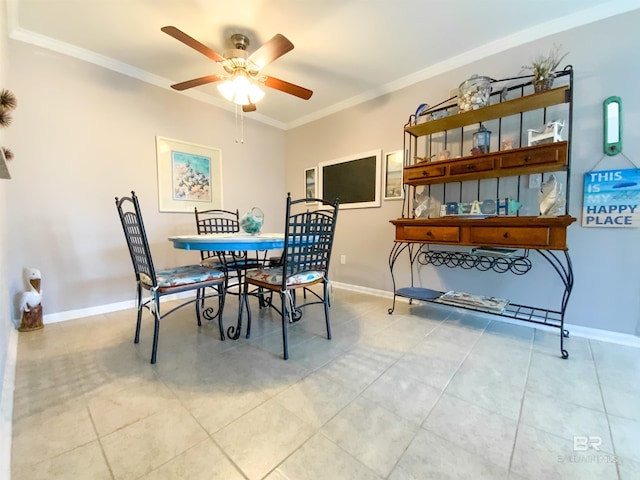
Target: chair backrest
(133, 227)
(309, 236)
(216, 221)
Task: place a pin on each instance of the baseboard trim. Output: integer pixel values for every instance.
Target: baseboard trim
(101, 309)
(577, 330)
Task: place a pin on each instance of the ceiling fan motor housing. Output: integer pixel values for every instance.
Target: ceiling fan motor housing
(240, 41)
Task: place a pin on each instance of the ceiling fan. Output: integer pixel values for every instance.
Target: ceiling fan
(242, 78)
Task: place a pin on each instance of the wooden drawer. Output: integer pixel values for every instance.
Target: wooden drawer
(542, 154)
(534, 236)
(421, 172)
(472, 166)
(431, 234)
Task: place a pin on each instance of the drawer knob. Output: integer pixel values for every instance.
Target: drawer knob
(506, 235)
(470, 167)
(429, 234)
(425, 173)
(527, 158)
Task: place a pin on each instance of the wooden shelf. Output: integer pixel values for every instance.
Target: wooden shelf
(548, 233)
(503, 109)
(548, 157)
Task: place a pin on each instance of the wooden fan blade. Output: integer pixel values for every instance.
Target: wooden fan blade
(289, 88)
(196, 82)
(268, 52)
(192, 42)
(249, 108)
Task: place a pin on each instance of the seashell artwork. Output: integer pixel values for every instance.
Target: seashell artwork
(550, 198)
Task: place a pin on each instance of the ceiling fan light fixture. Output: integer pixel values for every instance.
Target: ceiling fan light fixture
(240, 90)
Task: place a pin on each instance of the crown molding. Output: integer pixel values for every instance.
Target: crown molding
(568, 22)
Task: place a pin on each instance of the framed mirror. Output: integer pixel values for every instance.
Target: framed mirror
(612, 110)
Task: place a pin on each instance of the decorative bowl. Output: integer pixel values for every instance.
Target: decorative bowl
(252, 221)
(474, 93)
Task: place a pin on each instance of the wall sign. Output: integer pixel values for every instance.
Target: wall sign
(611, 198)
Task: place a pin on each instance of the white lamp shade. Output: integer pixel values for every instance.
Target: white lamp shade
(240, 90)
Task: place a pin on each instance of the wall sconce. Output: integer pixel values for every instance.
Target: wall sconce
(240, 90)
(612, 110)
(482, 139)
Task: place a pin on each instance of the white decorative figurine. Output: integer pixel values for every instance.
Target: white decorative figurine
(549, 197)
(550, 133)
(30, 302)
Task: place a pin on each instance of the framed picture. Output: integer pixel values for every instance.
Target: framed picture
(353, 180)
(393, 163)
(310, 185)
(4, 171)
(189, 176)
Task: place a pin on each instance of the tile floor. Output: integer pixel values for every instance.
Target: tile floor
(428, 392)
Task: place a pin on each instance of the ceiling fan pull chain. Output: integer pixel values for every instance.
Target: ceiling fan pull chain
(238, 107)
(241, 123)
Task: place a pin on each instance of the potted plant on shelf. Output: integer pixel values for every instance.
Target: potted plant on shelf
(544, 67)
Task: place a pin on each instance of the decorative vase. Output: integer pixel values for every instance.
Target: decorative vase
(252, 221)
(542, 84)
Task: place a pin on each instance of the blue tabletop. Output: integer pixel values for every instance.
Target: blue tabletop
(229, 241)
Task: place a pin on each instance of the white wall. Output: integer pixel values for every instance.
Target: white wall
(606, 261)
(83, 135)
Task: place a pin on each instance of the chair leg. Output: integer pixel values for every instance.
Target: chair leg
(326, 310)
(285, 326)
(245, 300)
(200, 294)
(136, 339)
(156, 330)
(221, 297)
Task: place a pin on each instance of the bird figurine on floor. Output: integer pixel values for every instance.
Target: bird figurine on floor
(30, 302)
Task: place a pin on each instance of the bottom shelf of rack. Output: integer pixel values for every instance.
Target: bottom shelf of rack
(541, 316)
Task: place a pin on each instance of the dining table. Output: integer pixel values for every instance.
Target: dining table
(230, 242)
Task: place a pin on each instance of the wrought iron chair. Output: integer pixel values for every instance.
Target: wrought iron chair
(305, 262)
(224, 221)
(234, 264)
(216, 221)
(165, 282)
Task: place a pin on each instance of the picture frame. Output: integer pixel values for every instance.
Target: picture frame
(310, 183)
(189, 176)
(393, 165)
(4, 170)
(354, 180)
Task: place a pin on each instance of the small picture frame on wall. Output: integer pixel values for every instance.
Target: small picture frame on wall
(310, 183)
(393, 164)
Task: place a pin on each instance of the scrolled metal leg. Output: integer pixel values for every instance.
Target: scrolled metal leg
(396, 250)
(233, 332)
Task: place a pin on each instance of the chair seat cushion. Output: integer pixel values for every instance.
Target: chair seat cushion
(211, 262)
(274, 276)
(184, 275)
(230, 264)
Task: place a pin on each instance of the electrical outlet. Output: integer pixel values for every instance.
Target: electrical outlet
(343, 259)
(535, 180)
